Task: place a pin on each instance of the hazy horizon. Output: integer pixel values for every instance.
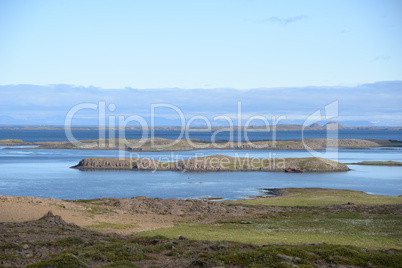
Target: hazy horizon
(364, 105)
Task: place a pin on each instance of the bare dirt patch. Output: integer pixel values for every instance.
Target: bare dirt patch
(140, 212)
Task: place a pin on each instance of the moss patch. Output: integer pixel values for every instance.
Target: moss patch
(109, 225)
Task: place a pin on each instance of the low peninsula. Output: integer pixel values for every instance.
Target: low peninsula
(216, 163)
(379, 163)
(161, 144)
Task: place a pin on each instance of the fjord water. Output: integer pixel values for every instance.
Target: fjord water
(46, 173)
(37, 135)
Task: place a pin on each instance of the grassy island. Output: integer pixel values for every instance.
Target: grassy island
(217, 163)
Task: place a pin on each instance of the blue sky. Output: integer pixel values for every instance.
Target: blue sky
(300, 55)
(200, 44)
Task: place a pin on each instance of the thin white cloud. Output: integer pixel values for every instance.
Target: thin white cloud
(286, 21)
(382, 58)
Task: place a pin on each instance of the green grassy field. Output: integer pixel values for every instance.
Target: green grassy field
(343, 229)
(311, 219)
(321, 197)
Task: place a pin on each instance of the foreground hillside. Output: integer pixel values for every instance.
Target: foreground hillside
(297, 227)
(51, 242)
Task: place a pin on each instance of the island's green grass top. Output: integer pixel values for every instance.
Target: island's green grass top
(380, 163)
(303, 227)
(10, 141)
(321, 197)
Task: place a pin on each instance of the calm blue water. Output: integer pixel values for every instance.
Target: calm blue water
(59, 135)
(46, 173)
